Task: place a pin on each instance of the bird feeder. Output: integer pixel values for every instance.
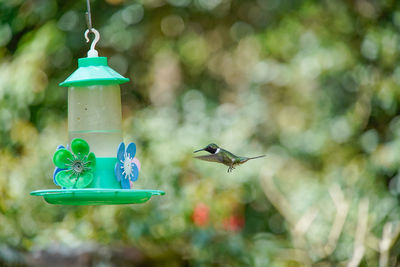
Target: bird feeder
(95, 168)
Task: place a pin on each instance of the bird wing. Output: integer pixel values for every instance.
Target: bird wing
(213, 158)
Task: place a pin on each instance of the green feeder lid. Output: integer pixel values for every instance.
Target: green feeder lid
(93, 71)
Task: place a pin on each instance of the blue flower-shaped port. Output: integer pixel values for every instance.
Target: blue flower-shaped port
(127, 166)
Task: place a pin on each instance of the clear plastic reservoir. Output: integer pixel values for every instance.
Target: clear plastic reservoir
(94, 114)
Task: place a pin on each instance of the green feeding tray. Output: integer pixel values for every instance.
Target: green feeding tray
(95, 196)
(103, 190)
(93, 71)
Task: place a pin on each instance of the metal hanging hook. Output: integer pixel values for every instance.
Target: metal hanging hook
(92, 52)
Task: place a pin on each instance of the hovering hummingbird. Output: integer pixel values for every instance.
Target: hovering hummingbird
(223, 156)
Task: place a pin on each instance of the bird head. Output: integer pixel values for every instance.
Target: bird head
(212, 148)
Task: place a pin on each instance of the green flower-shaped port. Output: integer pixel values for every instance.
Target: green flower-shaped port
(78, 166)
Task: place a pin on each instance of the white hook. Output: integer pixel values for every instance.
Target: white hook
(92, 52)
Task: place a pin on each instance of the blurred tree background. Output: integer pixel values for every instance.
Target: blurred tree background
(312, 84)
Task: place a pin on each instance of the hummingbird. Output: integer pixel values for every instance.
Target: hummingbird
(220, 155)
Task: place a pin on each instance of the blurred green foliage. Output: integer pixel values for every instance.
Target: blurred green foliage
(313, 84)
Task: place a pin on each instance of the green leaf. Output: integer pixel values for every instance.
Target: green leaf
(66, 178)
(70, 180)
(84, 180)
(80, 148)
(92, 161)
(62, 158)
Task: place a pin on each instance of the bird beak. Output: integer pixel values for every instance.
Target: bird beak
(199, 150)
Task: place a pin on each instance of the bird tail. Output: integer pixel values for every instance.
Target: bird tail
(257, 157)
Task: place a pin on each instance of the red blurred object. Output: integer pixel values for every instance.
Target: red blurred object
(200, 214)
(234, 223)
